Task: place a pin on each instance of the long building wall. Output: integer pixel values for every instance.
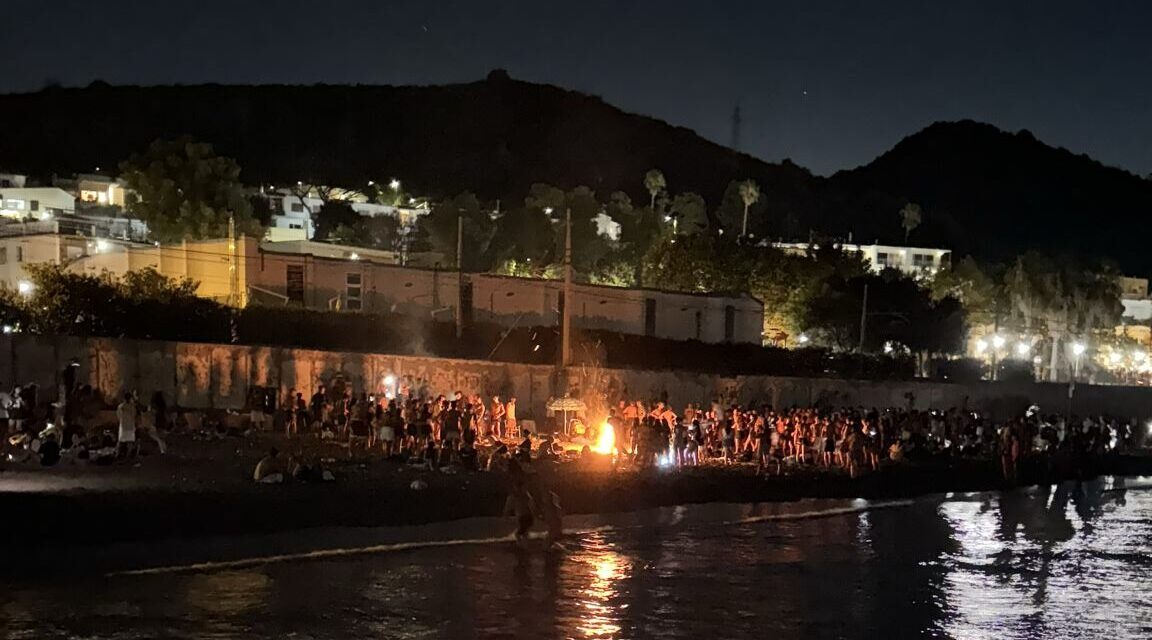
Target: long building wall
(272, 277)
(220, 376)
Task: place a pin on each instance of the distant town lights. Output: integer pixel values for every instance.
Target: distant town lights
(1139, 356)
(1115, 357)
(981, 346)
(1022, 348)
(998, 342)
(803, 339)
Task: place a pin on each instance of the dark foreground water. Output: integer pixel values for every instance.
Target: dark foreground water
(1068, 562)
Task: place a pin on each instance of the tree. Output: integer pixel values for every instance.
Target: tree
(371, 232)
(332, 215)
(524, 235)
(750, 195)
(910, 219)
(441, 225)
(655, 184)
(689, 213)
(182, 190)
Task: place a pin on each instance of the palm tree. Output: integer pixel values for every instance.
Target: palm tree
(750, 194)
(910, 218)
(654, 182)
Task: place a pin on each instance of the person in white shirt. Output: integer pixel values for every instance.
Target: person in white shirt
(126, 438)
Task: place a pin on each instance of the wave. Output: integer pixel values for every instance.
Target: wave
(342, 552)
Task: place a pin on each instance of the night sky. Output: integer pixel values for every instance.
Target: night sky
(828, 84)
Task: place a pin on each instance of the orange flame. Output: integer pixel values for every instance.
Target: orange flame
(606, 442)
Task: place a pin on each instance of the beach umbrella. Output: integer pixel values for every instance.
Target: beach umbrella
(566, 405)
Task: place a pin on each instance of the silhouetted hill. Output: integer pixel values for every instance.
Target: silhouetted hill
(495, 137)
(984, 191)
(994, 194)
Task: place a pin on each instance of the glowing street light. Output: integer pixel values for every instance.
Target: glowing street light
(1115, 357)
(1078, 349)
(998, 342)
(394, 185)
(1023, 348)
(24, 287)
(547, 211)
(803, 339)
(981, 346)
(1139, 356)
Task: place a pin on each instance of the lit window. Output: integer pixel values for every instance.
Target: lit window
(14, 204)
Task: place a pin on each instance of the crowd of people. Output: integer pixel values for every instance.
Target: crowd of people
(402, 423)
(469, 430)
(855, 439)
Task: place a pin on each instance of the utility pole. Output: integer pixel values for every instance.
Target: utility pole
(863, 318)
(234, 300)
(566, 327)
(459, 275)
(233, 271)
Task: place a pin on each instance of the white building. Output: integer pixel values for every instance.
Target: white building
(55, 241)
(913, 261)
(34, 203)
(293, 214)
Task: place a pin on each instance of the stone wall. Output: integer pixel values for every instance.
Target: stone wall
(220, 376)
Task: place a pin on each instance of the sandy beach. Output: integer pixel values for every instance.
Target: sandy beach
(204, 488)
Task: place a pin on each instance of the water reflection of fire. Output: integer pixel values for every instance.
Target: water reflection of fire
(606, 441)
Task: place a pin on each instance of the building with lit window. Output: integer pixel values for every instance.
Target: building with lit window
(913, 261)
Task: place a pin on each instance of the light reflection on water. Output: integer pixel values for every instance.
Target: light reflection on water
(607, 567)
(1065, 562)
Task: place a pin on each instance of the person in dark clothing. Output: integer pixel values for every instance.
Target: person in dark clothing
(68, 376)
(160, 410)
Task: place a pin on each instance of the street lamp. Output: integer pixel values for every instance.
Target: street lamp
(998, 342)
(803, 339)
(1022, 349)
(1078, 350)
(395, 184)
(24, 287)
(1139, 356)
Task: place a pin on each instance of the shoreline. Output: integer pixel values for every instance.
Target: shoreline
(196, 496)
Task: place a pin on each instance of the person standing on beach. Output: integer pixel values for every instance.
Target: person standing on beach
(510, 427)
(126, 437)
(519, 502)
(497, 413)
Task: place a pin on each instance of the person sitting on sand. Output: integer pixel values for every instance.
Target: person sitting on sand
(269, 469)
(498, 461)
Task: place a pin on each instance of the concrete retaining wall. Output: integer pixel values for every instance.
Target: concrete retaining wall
(220, 376)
